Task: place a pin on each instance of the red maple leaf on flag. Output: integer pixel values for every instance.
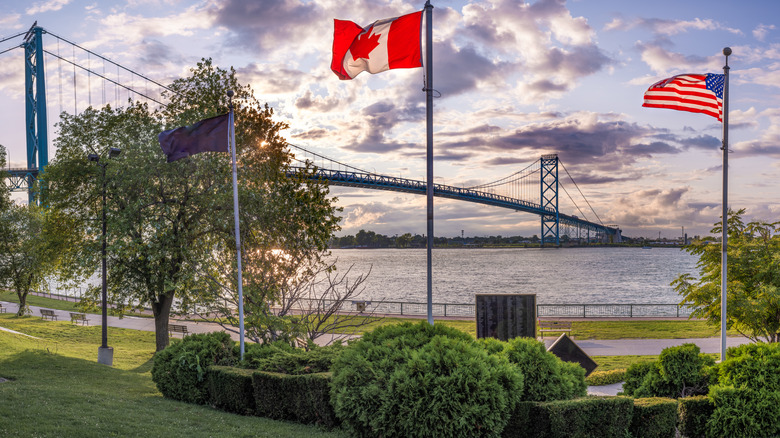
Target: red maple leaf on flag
(364, 44)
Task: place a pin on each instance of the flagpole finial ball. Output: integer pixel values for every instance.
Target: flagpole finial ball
(230, 92)
(727, 51)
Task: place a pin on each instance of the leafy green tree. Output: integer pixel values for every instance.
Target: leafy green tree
(753, 290)
(28, 250)
(170, 225)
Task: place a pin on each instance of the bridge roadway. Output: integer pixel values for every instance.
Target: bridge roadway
(382, 182)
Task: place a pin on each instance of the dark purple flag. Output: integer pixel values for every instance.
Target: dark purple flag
(208, 135)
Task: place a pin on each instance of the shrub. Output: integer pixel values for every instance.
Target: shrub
(654, 418)
(304, 398)
(179, 371)
(230, 389)
(601, 378)
(546, 376)
(635, 375)
(694, 412)
(280, 357)
(679, 372)
(589, 417)
(421, 380)
(747, 397)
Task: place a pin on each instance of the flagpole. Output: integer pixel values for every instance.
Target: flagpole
(429, 153)
(725, 236)
(232, 145)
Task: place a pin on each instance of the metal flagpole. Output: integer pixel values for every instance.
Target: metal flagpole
(429, 130)
(724, 238)
(232, 145)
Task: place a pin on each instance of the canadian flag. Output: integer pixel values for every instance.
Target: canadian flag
(386, 44)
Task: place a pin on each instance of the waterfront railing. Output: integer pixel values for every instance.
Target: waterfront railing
(467, 310)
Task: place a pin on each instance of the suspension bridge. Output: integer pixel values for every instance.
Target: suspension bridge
(534, 189)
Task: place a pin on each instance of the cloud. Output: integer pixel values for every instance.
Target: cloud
(664, 28)
(269, 25)
(49, 6)
(761, 31)
(665, 62)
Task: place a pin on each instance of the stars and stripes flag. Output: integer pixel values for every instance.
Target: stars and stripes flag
(384, 45)
(696, 93)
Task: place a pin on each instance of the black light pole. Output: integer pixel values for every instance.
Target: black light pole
(105, 353)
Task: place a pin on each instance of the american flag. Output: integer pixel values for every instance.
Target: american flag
(689, 92)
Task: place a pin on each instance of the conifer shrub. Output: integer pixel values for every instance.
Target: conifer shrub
(654, 417)
(230, 389)
(746, 398)
(587, 417)
(693, 415)
(546, 376)
(179, 371)
(423, 381)
(280, 357)
(680, 371)
(301, 398)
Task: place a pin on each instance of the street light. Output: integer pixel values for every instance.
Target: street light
(105, 353)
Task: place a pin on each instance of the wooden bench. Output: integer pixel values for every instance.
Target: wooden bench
(79, 317)
(48, 314)
(553, 327)
(2, 309)
(177, 328)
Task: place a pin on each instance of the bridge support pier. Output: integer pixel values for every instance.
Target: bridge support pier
(549, 197)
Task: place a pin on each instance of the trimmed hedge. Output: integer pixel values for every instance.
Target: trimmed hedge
(303, 398)
(589, 417)
(694, 413)
(179, 371)
(601, 378)
(654, 417)
(230, 389)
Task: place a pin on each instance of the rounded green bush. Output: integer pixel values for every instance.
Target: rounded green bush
(747, 397)
(423, 381)
(179, 371)
(680, 371)
(546, 376)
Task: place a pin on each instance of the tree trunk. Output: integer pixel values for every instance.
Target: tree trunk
(162, 311)
(22, 303)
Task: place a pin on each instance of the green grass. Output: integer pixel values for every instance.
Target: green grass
(655, 329)
(58, 389)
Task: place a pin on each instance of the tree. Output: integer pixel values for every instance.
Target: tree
(753, 290)
(28, 250)
(169, 224)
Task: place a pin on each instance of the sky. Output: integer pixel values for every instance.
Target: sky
(518, 79)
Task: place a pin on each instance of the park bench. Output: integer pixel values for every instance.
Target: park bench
(177, 328)
(553, 327)
(360, 306)
(79, 317)
(48, 314)
(2, 309)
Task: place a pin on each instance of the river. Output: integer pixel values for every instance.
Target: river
(598, 275)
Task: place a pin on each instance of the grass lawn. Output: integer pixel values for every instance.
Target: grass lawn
(58, 389)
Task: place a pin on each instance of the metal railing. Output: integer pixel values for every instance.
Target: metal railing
(403, 308)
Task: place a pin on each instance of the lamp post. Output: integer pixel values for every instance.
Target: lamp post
(105, 353)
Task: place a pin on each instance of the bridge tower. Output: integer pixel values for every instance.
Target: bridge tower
(549, 199)
(35, 106)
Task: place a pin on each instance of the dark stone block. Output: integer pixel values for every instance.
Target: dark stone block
(506, 316)
(565, 348)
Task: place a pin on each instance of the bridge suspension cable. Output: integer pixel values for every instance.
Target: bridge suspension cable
(583, 195)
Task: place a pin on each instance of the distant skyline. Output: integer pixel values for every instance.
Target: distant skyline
(518, 79)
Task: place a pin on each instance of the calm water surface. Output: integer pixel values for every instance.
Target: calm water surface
(556, 276)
